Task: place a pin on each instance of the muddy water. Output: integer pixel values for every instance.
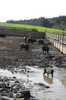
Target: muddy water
(36, 82)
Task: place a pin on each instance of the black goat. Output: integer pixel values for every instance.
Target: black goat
(45, 49)
(30, 40)
(24, 46)
(41, 41)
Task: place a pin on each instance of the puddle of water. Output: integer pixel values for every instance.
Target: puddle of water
(57, 90)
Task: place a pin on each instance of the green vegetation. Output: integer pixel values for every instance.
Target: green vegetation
(55, 22)
(31, 27)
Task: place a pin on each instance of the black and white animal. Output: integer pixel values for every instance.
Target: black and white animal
(47, 72)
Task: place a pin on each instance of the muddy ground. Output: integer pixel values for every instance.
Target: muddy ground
(12, 54)
(12, 60)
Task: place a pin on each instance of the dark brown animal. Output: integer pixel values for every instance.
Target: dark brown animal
(41, 41)
(30, 40)
(45, 49)
(24, 46)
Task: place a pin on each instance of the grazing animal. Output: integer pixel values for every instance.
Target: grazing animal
(52, 72)
(48, 72)
(25, 39)
(45, 49)
(41, 41)
(24, 46)
(45, 71)
(30, 40)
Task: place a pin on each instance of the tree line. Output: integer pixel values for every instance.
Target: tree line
(55, 22)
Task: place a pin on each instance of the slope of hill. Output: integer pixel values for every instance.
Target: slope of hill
(56, 22)
(29, 27)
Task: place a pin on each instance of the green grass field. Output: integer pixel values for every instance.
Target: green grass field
(30, 27)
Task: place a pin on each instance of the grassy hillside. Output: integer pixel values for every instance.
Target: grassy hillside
(30, 27)
(55, 22)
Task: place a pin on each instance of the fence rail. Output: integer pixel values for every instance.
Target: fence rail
(58, 40)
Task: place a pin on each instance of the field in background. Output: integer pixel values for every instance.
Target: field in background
(30, 27)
